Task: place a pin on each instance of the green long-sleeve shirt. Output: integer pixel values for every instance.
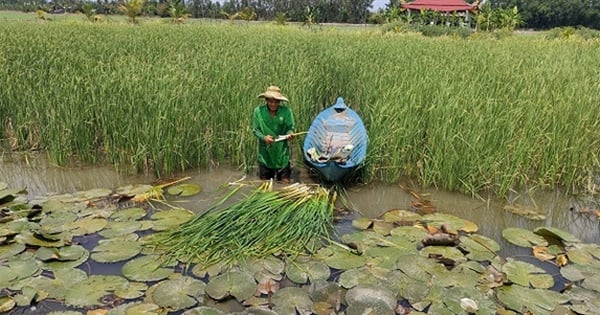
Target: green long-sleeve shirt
(276, 155)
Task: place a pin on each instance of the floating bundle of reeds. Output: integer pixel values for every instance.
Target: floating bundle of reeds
(263, 223)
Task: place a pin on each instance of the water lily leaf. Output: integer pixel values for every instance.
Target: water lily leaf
(270, 266)
(11, 250)
(452, 223)
(572, 273)
(238, 284)
(291, 300)
(592, 282)
(382, 228)
(29, 238)
(523, 238)
(353, 277)
(385, 257)
(525, 274)
(146, 268)
(418, 267)
(89, 291)
(72, 256)
(134, 189)
(373, 296)
(6, 276)
(141, 309)
(184, 190)
(479, 248)
(557, 234)
(178, 294)
(7, 303)
(129, 214)
(584, 254)
(584, 301)
(204, 310)
(341, 259)
(132, 291)
(67, 253)
(302, 271)
(115, 250)
(167, 219)
(445, 254)
(362, 223)
(361, 240)
(401, 217)
(24, 265)
(410, 233)
(201, 271)
(537, 301)
(326, 291)
(86, 226)
(120, 228)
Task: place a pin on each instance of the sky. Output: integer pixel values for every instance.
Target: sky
(379, 4)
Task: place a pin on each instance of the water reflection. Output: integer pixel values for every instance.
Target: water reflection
(41, 178)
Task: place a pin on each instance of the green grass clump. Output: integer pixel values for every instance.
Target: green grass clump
(263, 223)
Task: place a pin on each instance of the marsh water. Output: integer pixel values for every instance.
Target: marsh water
(574, 214)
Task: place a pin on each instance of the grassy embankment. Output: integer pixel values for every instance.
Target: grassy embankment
(458, 114)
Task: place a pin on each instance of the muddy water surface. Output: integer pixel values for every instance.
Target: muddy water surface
(568, 213)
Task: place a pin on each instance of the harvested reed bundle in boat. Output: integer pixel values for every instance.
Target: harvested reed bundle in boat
(263, 223)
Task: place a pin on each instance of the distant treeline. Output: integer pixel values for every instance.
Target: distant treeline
(538, 14)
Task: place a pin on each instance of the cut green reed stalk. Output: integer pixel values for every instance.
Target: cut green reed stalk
(457, 114)
(262, 223)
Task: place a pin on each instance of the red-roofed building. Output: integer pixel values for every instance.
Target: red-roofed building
(439, 5)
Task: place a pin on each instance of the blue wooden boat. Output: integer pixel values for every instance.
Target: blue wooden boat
(336, 142)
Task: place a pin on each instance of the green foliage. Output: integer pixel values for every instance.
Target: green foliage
(132, 8)
(178, 11)
(280, 19)
(247, 14)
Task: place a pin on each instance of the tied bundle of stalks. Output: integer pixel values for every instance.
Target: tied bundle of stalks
(263, 223)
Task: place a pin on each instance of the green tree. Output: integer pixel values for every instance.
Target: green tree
(132, 8)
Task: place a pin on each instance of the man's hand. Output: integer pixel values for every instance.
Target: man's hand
(269, 139)
(291, 136)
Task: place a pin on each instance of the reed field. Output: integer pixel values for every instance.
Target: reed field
(460, 114)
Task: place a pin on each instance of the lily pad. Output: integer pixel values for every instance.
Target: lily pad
(120, 228)
(89, 291)
(204, 310)
(292, 300)
(86, 226)
(374, 297)
(167, 219)
(523, 238)
(536, 301)
(146, 268)
(178, 294)
(452, 223)
(184, 190)
(557, 234)
(238, 284)
(401, 217)
(115, 250)
(301, 271)
(11, 250)
(73, 256)
(128, 214)
(526, 274)
(339, 258)
(7, 303)
(362, 223)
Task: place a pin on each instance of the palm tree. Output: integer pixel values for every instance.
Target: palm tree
(132, 8)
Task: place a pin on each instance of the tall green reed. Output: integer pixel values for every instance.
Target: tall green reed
(457, 114)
